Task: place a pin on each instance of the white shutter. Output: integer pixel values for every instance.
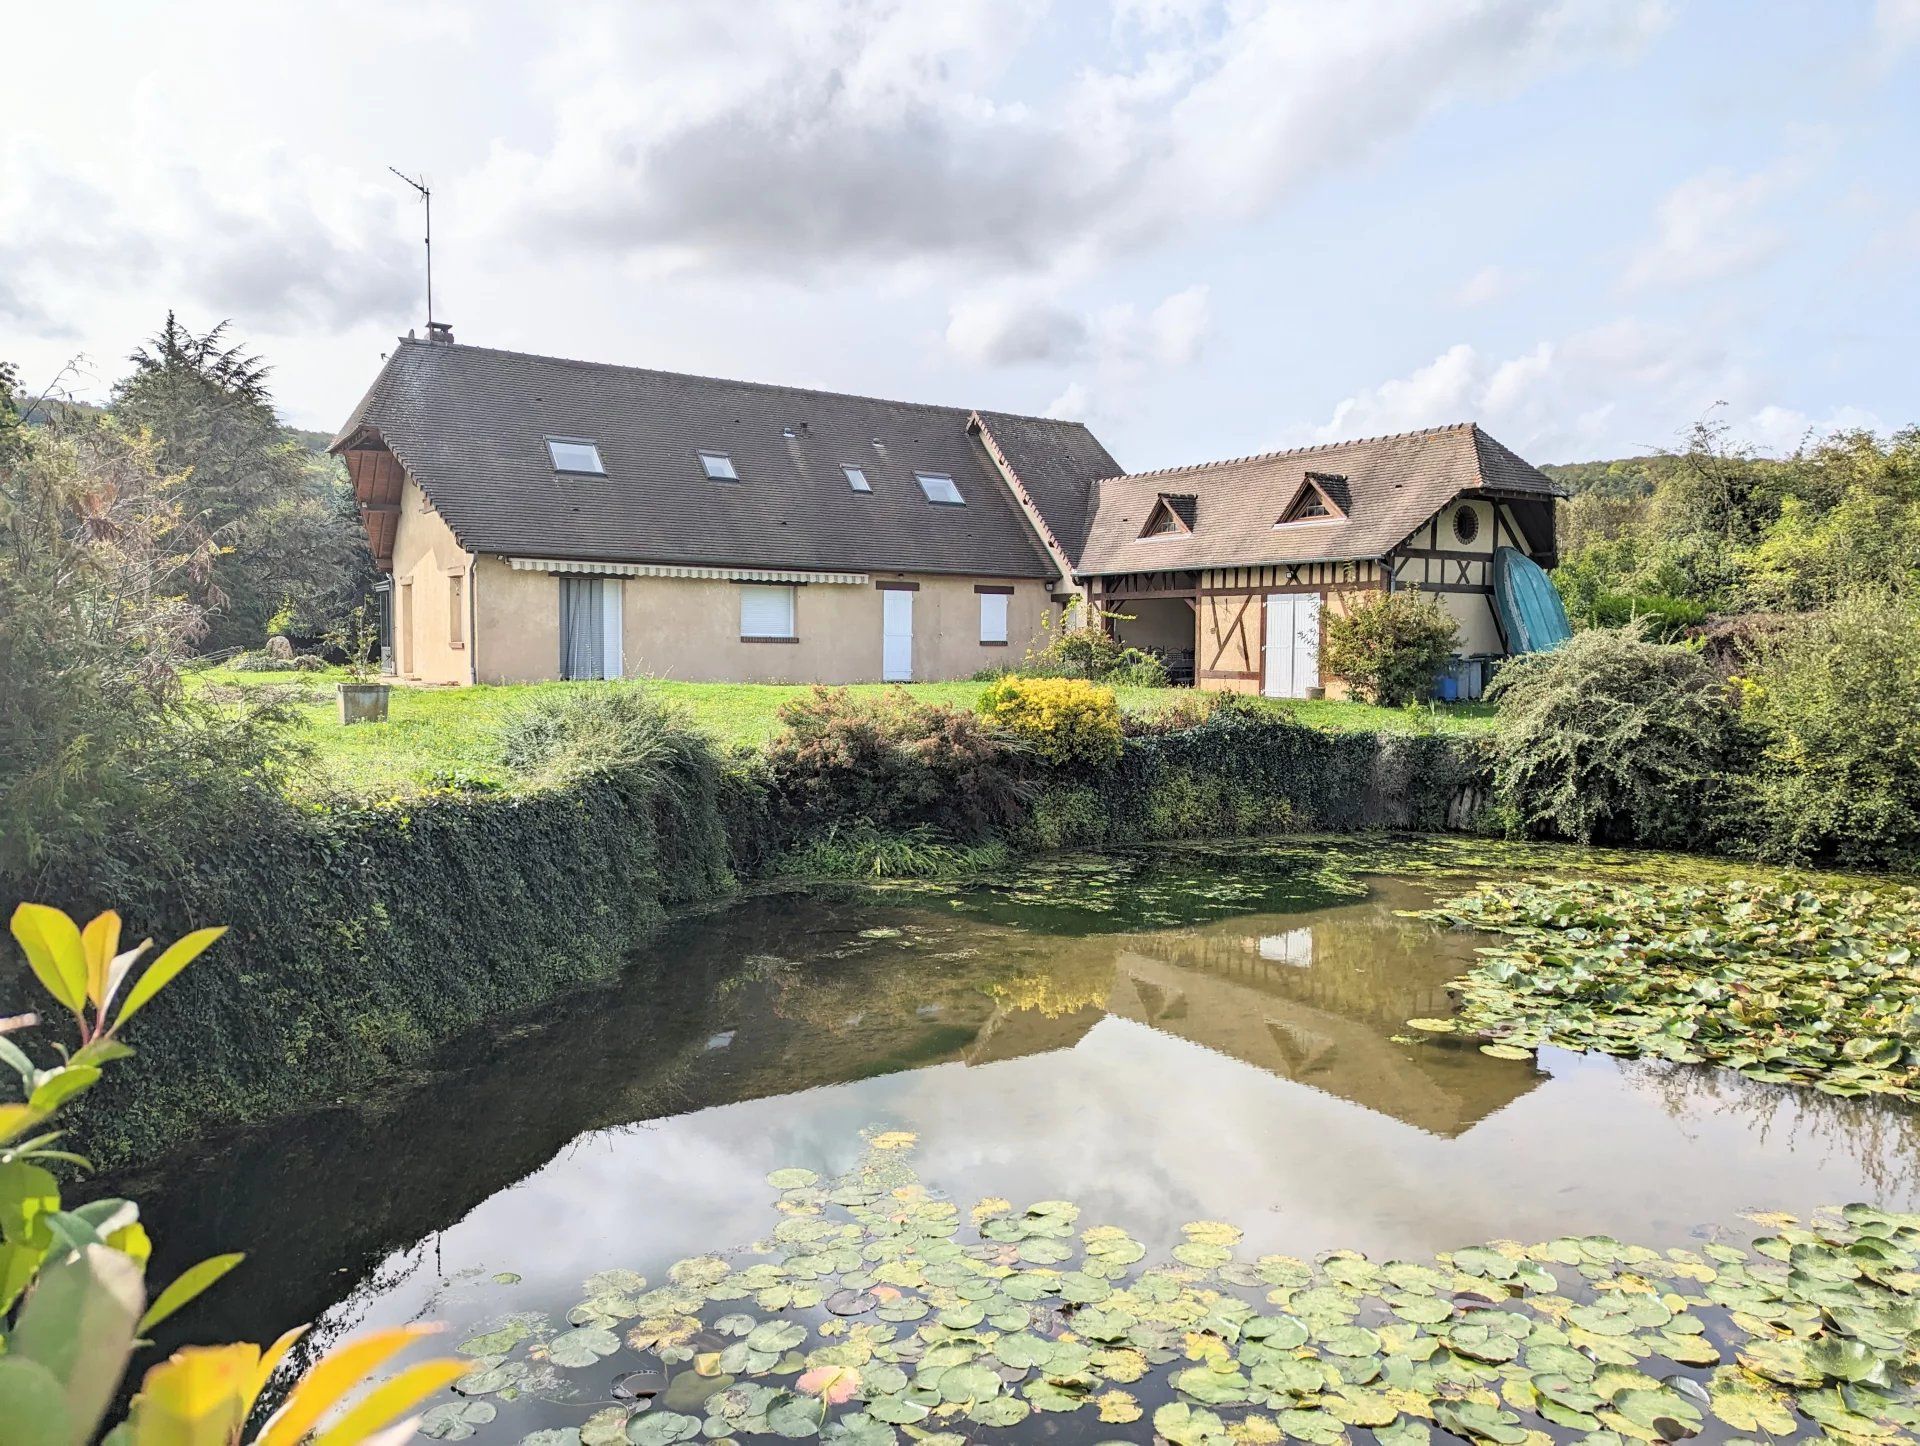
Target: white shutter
(766, 612)
(993, 617)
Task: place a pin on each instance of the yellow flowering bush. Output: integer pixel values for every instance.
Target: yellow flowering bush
(1063, 720)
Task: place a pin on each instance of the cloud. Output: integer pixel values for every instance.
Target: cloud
(1013, 329)
(1128, 348)
(1488, 285)
(829, 134)
(1708, 227)
(1558, 400)
(1896, 24)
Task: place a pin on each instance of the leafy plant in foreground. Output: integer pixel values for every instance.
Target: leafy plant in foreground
(74, 1304)
(1390, 646)
(1784, 984)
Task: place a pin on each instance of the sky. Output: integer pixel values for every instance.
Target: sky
(1206, 229)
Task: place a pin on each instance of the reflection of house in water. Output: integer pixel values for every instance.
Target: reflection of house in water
(1312, 1001)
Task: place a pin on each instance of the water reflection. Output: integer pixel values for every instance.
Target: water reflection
(1240, 1068)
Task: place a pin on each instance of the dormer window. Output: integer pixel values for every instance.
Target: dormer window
(857, 479)
(579, 455)
(1172, 515)
(718, 466)
(1314, 502)
(940, 489)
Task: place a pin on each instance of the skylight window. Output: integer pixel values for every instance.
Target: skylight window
(575, 454)
(857, 479)
(939, 488)
(718, 466)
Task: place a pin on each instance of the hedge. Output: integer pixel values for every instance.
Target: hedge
(362, 939)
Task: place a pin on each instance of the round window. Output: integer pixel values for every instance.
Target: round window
(1466, 525)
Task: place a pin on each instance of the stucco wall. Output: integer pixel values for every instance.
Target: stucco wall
(689, 629)
(425, 556)
(1479, 633)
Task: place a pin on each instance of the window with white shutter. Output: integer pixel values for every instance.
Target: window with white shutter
(766, 612)
(993, 617)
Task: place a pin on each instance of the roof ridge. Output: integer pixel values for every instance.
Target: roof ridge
(1289, 452)
(732, 381)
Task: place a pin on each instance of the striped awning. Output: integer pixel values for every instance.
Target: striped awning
(663, 569)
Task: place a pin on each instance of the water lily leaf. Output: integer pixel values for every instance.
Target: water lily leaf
(1349, 1341)
(1783, 1360)
(1186, 1425)
(690, 1390)
(496, 1342)
(1844, 1360)
(1201, 1255)
(1000, 1411)
(1117, 1408)
(561, 1436)
(575, 1349)
(962, 1384)
(1403, 1433)
(860, 1429)
(775, 1336)
(1432, 1026)
(792, 1178)
(896, 1409)
(606, 1427)
(791, 1416)
(455, 1421)
(1315, 1426)
(1486, 1423)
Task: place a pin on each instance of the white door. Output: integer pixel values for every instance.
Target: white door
(1293, 644)
(896, 636)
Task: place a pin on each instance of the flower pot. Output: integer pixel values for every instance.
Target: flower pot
(363, 702)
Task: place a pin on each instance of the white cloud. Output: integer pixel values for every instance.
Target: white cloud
(1487, 285)
(1012, 328)
(1128, 349)
(1896, 24)
(1626, 386)
(1710, 226)
(829, 134)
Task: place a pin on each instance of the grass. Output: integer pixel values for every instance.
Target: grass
(440, 736)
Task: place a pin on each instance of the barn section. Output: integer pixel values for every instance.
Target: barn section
(1229, 569)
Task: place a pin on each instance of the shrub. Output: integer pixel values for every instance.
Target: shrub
(1085, 649)
(1611, 738)
(894, 763)
(1663, 618)
(1061, 720)
(623, 729)
(1389, 646)
(860, 851)
(1837, 698)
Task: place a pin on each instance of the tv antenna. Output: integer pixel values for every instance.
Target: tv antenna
(426, 196)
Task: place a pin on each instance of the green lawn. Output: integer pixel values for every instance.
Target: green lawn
(433, 733)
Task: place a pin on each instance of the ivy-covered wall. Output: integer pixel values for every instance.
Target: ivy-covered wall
(362, 939)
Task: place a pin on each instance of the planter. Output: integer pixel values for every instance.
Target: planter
(1315, 694)
(363, 702)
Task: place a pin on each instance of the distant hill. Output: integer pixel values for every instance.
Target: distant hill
(315, 442)
(1623, 480)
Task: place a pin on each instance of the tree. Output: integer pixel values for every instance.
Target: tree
(281, 515)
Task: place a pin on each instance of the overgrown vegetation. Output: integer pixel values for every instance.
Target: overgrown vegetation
(1784, 984)
(1836, 696)
(1718, 529)
(1078, 644)
(1389, 646)
(1614, 739)
(74, 1298)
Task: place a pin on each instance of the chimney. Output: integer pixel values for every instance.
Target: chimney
(441, 332)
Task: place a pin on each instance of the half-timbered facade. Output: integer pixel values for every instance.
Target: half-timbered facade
(1228, 568)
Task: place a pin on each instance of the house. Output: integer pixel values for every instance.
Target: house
(540, 518)
(1232, 564)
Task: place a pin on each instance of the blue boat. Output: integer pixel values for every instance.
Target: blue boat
(1531, 613)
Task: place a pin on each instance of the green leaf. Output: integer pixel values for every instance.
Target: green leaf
(157, 975)
(54, 953)
(456, 1420)
(187, 1285)
(79, 1324)
(33, 1408)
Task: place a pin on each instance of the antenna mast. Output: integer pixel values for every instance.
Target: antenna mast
(426, 196)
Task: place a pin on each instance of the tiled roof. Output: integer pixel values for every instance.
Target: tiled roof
(1387, 486)
(1056, 463)
(470, 423)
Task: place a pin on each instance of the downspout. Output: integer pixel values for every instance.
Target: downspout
(473, 621)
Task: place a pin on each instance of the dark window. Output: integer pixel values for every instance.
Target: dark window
(1466, 525)
(718, 466)
(1307, 507)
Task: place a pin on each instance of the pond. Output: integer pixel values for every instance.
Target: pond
(1183, 1035)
